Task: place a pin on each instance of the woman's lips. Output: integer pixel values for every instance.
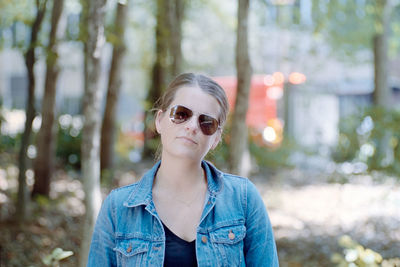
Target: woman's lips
(187, 139)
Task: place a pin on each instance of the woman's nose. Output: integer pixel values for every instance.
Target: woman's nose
(192, 124)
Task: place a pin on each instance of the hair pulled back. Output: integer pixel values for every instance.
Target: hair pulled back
(203, 82)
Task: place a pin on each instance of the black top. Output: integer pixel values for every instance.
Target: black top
(179, 252)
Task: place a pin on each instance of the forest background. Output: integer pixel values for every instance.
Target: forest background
(77, 79)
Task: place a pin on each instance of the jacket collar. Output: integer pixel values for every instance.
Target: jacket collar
(142, 193)
(214, 177)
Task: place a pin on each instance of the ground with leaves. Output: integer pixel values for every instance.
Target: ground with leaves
(309, 210)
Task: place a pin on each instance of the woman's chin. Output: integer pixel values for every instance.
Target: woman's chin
(184, 152)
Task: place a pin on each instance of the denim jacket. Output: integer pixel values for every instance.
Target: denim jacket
(234, 228)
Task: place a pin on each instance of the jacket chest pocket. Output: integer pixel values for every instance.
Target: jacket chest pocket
(131, 252)
(228, 243)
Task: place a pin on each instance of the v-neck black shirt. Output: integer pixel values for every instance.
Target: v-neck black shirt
(178, 252)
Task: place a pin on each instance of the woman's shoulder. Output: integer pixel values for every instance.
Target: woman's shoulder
(136, 193)
(125, 188)
(236, 181)
(228, 177)
(233, 180)
(124, 192)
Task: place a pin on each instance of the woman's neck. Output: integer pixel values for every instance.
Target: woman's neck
(179, 175)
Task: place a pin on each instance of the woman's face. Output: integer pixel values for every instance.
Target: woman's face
(186, 139)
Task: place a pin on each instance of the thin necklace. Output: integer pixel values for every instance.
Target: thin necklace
(190, 203)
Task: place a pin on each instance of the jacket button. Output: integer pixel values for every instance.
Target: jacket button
(231, 235)
(129, 249)
(204, 239)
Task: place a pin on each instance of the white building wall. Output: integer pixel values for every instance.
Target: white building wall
(315, 118)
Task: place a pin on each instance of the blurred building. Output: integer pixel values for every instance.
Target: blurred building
(13, 82)
(280, 41)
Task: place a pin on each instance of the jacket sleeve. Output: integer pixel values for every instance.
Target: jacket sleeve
(103, 240)
(259, 243)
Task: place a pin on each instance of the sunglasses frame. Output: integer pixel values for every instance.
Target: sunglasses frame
(190, 114)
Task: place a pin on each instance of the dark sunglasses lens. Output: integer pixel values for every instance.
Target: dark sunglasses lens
(208, 125)
(180, 114)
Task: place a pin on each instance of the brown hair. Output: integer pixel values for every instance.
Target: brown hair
(205, 83)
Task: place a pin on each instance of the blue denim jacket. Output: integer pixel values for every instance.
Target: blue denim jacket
(234, 228)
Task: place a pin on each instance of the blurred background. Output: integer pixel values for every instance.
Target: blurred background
(314, 93)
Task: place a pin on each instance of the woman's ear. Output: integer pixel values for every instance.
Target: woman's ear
(217, 140)
(158, 121)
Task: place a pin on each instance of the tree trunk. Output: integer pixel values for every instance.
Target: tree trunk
(176, 16)
(288, 110)
(381, 95)
(44, 163)
(30, 112)
(239, 158)
(114, 86)
(382, 91)
(159, 76)
(94, 24)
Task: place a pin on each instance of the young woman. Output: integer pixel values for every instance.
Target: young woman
(184, 211)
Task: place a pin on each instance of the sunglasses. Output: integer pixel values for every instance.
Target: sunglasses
(208, 125)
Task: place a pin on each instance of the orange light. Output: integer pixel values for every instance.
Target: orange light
(297, 78)
(278, 77)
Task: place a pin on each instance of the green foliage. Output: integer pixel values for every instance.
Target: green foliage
(83, 31)
(347, 19)
(371, 137)
(265, 156)
(42, 200)
(10, 139)
(16, 10)
(272, 157)
(394, 45)
(53, 259)
(219, 156)
(340, 22)
(348, 144)
(10, 143)
(356, 255)
(128, 145)
(69, 140)
(17, 18)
